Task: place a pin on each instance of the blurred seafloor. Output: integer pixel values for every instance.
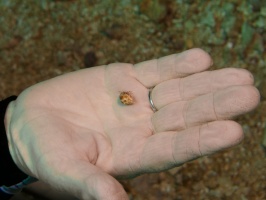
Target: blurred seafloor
(46, 38)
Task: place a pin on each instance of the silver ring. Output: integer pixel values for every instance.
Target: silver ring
(151, 102)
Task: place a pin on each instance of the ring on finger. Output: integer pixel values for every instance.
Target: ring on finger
(151, 102)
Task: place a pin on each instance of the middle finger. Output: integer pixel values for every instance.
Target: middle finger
(220, 105)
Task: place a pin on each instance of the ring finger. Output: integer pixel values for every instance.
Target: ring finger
(182, 89)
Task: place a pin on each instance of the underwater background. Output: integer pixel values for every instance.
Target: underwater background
(41, 39)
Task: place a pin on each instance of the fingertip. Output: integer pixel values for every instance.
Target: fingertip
(247, 76)
(257, 96)
(220, 135)
(236, 100)
(234, 76)
(200, 58)
(234, 132)
(104, 186)
(250, 97)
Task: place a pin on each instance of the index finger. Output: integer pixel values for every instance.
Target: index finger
(153, 72)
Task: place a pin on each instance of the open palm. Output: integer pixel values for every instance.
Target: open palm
(73, 132)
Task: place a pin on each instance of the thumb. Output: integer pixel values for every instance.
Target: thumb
(83, 180)
(103, 187)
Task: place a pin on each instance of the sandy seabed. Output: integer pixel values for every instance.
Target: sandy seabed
(43, 39)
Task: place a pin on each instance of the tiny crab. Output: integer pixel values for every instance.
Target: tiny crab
(126, 98)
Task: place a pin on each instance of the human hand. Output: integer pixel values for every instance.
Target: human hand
(73, 133)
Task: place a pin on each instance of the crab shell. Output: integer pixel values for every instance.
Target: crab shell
(126, 98)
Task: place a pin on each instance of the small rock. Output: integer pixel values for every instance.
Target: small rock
(115, 32)
(154, 10)
(12, 43)
(90, 59)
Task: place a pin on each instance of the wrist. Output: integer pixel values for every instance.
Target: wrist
(10, 174)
